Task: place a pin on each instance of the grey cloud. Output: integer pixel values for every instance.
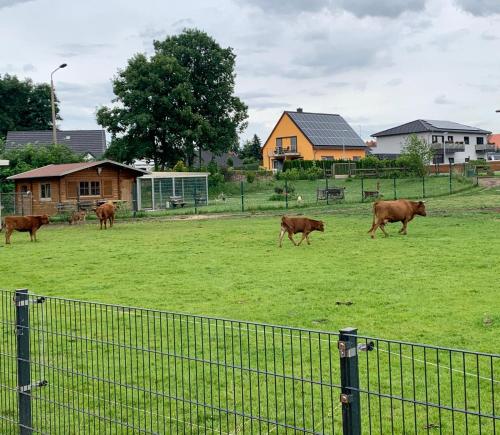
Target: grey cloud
(442, 99)
(74, 49)
(359, 8)
(381, 8)
(487, 89)
(85, 96)
(7, 3)
(261, 100)
(479, 7)
(446, 40)
(183, 23)
(29, 67)
(489, 37)
(394, 82)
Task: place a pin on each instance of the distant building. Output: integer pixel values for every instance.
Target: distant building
(220, 160)
(89, 143)
(311, 136)
(453, 142)
(495, 139)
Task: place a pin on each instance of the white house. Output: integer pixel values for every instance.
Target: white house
(453, 143)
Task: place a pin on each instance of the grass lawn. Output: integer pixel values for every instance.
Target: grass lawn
(438, 285)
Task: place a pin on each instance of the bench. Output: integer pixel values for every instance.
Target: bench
(330, 193)
(176, 201)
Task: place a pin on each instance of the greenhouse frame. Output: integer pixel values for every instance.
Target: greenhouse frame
(162, 190)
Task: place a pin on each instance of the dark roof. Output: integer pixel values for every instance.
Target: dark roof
(427, 125)
(68, 168)
(221, 160)
(326, 130)
(79, 141)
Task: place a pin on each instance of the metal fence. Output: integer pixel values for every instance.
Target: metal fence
(71, 367)
(12, 203)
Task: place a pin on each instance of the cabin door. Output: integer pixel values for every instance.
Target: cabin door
(126, 190)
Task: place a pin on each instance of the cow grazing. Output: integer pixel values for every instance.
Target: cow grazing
(400, 210)
(77, 216)
(105, 213)
(294, 225)
(25, 224)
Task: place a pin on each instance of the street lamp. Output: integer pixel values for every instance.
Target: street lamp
(52, 102)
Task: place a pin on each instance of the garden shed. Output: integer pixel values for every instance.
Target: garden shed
(160, 190)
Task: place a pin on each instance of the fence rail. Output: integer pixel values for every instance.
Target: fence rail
(71, 366)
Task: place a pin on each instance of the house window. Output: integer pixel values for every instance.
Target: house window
(436, 139)
(326, 158)
(279, 142)
(438, 159)
(467, 159)
(293, 144)
(466, 140)
(450, 138)
(479, 140)
(45, 191)
(451, 160)
(92, 188)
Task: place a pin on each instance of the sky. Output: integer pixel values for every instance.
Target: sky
(378, 63)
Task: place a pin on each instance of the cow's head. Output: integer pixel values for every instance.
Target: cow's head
(320, 226)
(421, 208)
(44, 219)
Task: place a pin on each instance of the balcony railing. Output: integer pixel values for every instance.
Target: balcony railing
(285, 151)
(450, 147)
(486, 147)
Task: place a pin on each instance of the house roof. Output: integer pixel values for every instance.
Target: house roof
(326, 130)
(221, 160)
(494, 138)
(427, 125)
(79, 141)
(68, 168)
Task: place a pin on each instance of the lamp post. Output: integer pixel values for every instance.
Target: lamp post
(52, 102)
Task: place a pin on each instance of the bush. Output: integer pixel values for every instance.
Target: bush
(180, 167)
(215, 180)
(250, 176)
(230, 162)
(279, 190)
(281, 197)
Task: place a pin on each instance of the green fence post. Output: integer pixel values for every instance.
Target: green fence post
(349, 380)
(451, 188)
(195, 202)
(423, 186)
(362, 189)
(327, 195)
(242, 197)
(394, 186)
(286, 194)
(23, 361)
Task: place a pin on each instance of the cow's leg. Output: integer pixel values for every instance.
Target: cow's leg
(111, 221)
(382, 227)
(307, 238)
(403, 229)
(34, 235)
(8, 233)
(290, 236)
(302, 239)
(282, 233)
(374, 228)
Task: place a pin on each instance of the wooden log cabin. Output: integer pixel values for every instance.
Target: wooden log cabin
(56, 188)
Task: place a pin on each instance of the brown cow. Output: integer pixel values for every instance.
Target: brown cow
(77, 216)
(106, 212)
(294, 225)
(400, 210)
(29, 224)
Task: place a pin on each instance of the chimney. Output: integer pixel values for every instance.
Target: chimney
(299, 110)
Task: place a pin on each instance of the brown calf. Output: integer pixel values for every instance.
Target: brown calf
(400, 210)
(294, 225)
(77, 216)
(104, 213)
(23, 224)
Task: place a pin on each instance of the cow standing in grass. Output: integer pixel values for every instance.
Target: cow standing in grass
(294, 225)
(400, 210)
(25, 224)
(105, 213)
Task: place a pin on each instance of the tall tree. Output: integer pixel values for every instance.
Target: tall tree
(419, 154)
(24, 105)
(252, 149)
(153, 117)
(220, 114)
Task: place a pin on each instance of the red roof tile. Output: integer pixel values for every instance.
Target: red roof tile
(494, 138)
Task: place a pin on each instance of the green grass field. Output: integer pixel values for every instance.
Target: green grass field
(438, 285)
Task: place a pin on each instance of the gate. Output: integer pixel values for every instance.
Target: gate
(20, 204)
(70, 367)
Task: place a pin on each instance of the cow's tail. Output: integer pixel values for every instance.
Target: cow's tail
(284, 223)
(374, 217)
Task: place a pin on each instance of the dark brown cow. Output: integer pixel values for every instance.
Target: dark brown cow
(77, 216)
(25, 224)
(294, 225)
(104, 213)
(400, 210)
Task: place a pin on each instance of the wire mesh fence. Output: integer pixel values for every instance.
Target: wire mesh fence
(73, 367)
(12, 203)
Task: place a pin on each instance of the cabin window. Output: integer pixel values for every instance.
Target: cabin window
(24, 188)
(479, 140)
(90, 188)
(107, 187)
(45, 191)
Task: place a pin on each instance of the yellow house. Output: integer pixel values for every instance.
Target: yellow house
(311, 136)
